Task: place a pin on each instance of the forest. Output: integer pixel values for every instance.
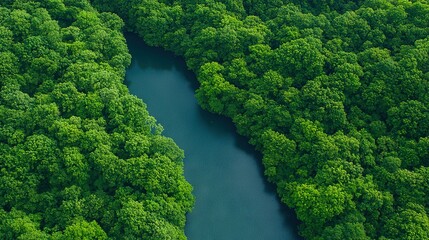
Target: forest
(334, 94)
(81, 158)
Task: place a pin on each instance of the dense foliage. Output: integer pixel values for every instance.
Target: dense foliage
(80, 157)
(333, 93)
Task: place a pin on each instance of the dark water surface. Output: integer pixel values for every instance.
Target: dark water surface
(233, 199)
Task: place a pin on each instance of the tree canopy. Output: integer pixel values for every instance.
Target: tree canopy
(81, 158)
(333, 93)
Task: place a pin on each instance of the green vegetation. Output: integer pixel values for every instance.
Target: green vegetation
(333, 93)
(80, 157)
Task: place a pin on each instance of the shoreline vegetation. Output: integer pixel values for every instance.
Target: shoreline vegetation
(333, 93)
(81, 158)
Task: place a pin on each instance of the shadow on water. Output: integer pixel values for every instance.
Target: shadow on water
(160, 59)
(270, 188)
(241, 142)
(216, 126)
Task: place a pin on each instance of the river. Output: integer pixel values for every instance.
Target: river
(233, 199)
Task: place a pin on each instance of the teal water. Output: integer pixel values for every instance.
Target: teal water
(233, 199)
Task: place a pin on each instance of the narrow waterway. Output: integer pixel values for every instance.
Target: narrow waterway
(233, 199)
